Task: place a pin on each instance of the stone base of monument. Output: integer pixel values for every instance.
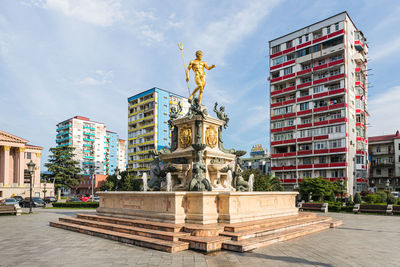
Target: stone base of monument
(203, 221)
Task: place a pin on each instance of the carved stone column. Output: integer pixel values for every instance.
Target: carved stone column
(20, 166)
(5, 164)
(37, 170)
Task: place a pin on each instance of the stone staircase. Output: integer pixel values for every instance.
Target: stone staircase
(172, 238)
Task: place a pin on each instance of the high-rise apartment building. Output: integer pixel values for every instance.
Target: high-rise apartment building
(318, 97)
(117, 152)
(94, 145)
(384, 152)
(148, 129)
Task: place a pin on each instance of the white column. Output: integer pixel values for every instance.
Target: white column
(21, 166)
(5, 172)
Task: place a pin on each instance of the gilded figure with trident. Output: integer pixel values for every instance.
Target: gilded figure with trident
(197, 65)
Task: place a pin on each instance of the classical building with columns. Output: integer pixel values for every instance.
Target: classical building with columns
(15, 153)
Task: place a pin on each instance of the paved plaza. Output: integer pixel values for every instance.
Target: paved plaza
(362, 240)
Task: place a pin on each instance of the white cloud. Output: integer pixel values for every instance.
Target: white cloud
(99, 12)
(387, 48)
(101, 77)
(220, 36)
(383, 111)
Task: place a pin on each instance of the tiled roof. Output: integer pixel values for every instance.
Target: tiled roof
(387, 137)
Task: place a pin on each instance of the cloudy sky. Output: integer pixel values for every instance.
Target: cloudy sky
(61, 58)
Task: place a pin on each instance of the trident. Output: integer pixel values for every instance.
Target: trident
(184, 66)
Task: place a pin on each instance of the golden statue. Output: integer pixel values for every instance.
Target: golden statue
(199, 75)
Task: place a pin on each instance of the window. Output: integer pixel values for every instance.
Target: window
(305, 147)
(304, 93)
(276, 49)
(307, 161)
(336, 26)
(300, 40)
(359, 159)
(28, 155)
(275, 74)
(322, 174)
(336, 115)
(320, 145)
(280, 99)
(289, 56)
(378, 149)
(321, 160)
(289, 44)
(304, 106)
(316, 48)
(321, 62)
(337, 173)
(328, 29)
(378, 172)
(335, 143)
(278, 60)
(288, 70)
(318, 89)
(305, 133)
(306, 37)
(306, 66)
(306, 120)
(290, 122)
(306, 79)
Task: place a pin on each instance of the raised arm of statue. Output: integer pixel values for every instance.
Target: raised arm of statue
(215, 107)
(207, 67)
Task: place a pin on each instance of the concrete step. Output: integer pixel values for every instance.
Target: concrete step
(168, 227)
(256, 242)
(169, 236)
(142, 241)
(205, 243)
(275, 228)
(244, 226)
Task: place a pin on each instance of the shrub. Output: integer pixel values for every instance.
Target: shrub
(357, 198)
(76, 204)
(381, 196)
(371, 199)
(390, 199)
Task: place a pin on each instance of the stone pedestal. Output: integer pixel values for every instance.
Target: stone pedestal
(198, 130)
(198, 207)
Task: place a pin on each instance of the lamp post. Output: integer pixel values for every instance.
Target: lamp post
(341, 189)
(388, 185)
(31, 169)
(116, 172)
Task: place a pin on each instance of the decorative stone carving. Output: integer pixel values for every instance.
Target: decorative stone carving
(185, 136)
(199, 182)
(211, 136)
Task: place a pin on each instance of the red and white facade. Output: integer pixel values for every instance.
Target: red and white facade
(319, 104)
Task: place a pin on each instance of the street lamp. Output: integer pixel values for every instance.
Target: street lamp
(116, 172)
(31, 169)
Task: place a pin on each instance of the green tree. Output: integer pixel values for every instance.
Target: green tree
(63, 167)
(126, 183)
(263, 182)
(357, 198)
(319, 187)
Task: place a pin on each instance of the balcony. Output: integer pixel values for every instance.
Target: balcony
(88, 139)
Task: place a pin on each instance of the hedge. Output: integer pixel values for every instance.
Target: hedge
(76, 204)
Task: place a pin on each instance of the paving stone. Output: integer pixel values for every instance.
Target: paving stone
(362, 240)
